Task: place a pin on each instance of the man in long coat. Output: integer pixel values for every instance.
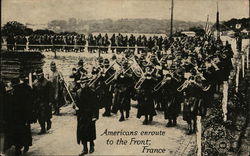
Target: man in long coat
(19, 116)
(87, 114)
(3, 115)
(145, 100)
(122, 91)
(171, 101)
(43, 100)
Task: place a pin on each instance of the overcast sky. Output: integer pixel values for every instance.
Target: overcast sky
(42, 11)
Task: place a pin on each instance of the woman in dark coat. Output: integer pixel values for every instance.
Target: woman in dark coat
(146, 101)
(87, 114)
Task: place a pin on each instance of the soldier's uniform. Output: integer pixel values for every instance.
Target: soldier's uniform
(77, 74)
(87, 114)
(122, 91)
(43, 100)
(56, 80)
(171, 100)
(105, 91)
(145, 100)
(192, 102)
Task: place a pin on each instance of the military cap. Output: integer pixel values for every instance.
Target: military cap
(113, 57)
(106, 61)
(39, 71)
(52, 63)
(80, 62)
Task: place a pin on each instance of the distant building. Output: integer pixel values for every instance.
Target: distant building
(189, 33)
(36, 26)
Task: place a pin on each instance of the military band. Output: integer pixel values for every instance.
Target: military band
(165, 76)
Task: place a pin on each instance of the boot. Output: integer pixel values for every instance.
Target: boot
(194, 128)
(150, 118)
(189, 132)
(92, 147)
(57, 111)
(169, 124)
(145, 122)
(174, 123)
(43, 131)
(85, 149)
(122, 118)
(26, 149)
(127, 114)
(18, 151)
(49, 125)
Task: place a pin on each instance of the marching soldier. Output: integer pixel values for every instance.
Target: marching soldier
(105, 89)
(77, 74)
(3, 115)
(122, 91)
(56, 80)
(87, 115)
(145, 100)
(171, 100)
(43, 100)
(192, 100)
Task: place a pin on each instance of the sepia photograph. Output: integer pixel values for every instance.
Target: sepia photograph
(125, 77)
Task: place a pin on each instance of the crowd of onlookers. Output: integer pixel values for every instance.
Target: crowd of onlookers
(80, 41)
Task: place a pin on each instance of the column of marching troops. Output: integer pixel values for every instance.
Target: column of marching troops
(79, 42)
(188, 74)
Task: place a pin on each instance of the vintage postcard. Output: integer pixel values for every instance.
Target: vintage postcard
(125, 77)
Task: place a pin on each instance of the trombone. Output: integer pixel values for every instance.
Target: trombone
(99, 75)
(161, 83)
(139, 83)
(112, 77)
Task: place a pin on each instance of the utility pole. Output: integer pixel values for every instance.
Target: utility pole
(248, 37)
(218, 22)
(171, 26)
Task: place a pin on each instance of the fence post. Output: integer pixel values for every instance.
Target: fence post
(27, 43)
(198, 135)
(225, 100)
(243, 64)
